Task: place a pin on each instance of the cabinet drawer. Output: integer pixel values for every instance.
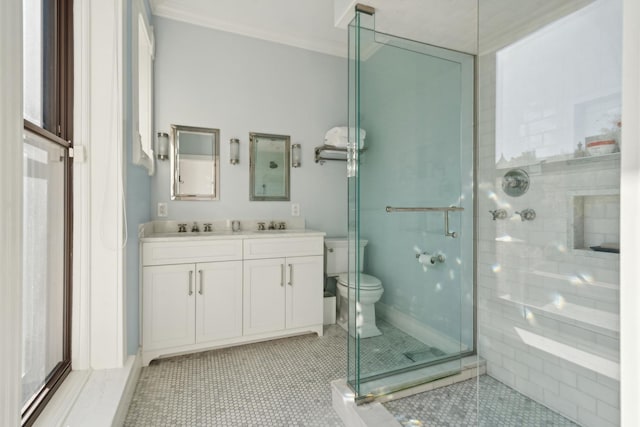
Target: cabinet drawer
(283, 247)
(158, 253)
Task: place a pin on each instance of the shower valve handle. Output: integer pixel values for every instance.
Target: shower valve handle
(527, 215)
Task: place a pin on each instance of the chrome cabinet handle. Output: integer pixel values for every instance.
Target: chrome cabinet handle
(190, 282)
(281, 274)
(290, 275)
(200, 289)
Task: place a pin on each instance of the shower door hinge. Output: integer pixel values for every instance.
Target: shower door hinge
(365, 9)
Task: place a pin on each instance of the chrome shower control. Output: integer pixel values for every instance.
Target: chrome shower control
(527, 215)
(498, 214)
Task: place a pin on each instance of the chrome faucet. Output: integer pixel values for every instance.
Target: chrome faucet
(194, 228)
(272, 225)
(182, 228)
(207, 228)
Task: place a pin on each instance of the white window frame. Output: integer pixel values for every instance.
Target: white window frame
(143, 52)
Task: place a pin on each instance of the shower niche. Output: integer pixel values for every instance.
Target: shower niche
(595, 221)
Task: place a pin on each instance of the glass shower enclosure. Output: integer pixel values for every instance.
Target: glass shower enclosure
(410, 178)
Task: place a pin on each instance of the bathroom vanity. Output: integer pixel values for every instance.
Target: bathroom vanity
(209, 290)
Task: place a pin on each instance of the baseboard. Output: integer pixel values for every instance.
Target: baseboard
(418, 330)
(129, 389)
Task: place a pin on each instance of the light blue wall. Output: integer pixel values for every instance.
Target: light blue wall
(138, 194)
(237, 84)
(417, 112)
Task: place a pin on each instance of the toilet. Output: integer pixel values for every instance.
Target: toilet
(336, 257)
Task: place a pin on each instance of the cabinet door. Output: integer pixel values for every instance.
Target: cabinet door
(218, 300)
(263, 308)
(304, 291)
(168, 306)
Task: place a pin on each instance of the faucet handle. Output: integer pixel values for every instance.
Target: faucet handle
(527, 215)
(498, 214)
(261, 226)
(207, 227)
(182, 228)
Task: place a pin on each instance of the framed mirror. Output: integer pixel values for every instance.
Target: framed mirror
(269, 163)
(195, 163)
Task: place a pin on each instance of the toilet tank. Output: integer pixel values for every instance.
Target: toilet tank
(336, 252)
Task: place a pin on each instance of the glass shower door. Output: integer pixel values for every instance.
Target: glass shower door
(410, 201)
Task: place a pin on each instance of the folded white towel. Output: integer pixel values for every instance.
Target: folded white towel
(339, 136)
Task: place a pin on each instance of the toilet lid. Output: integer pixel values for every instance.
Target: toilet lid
(366, 281)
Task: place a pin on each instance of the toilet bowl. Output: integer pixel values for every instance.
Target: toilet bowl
(370, 289)
(370, 292)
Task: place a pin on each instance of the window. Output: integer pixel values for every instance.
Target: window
(46, 286)
(548, 106)
(143, 80)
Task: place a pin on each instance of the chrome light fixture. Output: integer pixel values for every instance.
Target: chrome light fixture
(296, 155)
(162, 146)
(234, 151)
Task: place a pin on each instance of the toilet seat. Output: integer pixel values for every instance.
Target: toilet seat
(366, 281)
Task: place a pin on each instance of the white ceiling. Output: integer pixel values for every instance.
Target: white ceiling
(312, 24)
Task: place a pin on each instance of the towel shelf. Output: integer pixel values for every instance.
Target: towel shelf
(331, 152)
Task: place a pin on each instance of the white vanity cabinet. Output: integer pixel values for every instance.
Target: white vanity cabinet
(283, 284)
(191, 303)
(282, 293)
(201, 293)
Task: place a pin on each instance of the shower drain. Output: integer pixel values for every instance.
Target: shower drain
(422, 355)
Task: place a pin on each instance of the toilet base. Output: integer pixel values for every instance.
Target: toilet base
(367, 331)
(366, 326)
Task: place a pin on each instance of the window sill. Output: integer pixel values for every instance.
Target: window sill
(102, 396)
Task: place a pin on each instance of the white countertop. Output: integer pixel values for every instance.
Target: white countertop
(229, 235)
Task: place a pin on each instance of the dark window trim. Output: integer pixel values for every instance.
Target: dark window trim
(58, 128)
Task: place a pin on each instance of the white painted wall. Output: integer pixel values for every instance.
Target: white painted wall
(11, 211)
(106, 175)
(630, 206)
(237, 84)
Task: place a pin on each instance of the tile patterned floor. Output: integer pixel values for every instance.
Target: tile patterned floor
(282, 382)
(455, 405)
(285, 382)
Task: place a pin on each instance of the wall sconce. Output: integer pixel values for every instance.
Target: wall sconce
(296, 155)
(162, 146)
(234, 151)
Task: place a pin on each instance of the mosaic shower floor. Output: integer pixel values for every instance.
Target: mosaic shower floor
(455, 405)
(393, 350)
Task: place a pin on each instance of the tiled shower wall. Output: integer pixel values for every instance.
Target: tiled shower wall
(548, 321)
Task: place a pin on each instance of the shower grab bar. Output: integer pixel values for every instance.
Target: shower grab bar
(444, 210)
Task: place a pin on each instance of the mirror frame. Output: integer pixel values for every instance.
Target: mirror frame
(286, 139)
(175, 146)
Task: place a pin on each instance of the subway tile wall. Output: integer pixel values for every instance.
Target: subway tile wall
(548, 322)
